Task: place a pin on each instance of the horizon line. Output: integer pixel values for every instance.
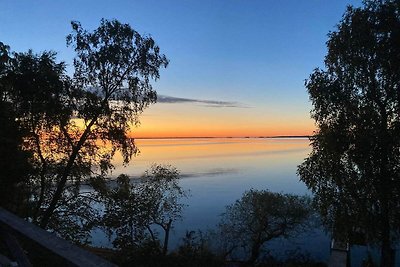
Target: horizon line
(230, 137)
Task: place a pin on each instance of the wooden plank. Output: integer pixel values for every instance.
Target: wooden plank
(4, 261)
(14, 248)
(72, 254)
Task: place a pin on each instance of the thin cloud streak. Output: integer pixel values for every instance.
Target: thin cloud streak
(207, 103)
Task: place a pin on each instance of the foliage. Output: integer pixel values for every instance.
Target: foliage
(135, 208)
(73, 126)
(196, 250)
(293, 258)
(15, 169)
(260, 216)
(36, 89)
(163, 194)
(353, 168)
(113, 68)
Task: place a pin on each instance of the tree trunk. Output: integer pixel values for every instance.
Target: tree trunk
(385, 189)
(386, 248)
(255, 253)
(166, 237)
(64, 177)
(60, 188)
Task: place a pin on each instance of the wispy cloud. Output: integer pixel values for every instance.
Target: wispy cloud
(207, 103)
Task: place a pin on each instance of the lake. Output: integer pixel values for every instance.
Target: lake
(217, 171)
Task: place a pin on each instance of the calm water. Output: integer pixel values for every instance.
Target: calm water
(218, 171)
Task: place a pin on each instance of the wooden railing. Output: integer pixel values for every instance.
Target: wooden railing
(59, 251)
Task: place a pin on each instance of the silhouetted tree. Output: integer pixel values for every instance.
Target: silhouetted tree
(14, 162)
(37, 87)
(260, 216)
(162, 195)
(39, 94)
(354, 166)
(135, 210)
(111, 86)
(74, 126)
(195, 250)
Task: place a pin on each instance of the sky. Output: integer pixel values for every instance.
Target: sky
(237, 67)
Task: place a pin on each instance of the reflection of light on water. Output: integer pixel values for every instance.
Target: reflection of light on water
(200, 155)
(218, 170)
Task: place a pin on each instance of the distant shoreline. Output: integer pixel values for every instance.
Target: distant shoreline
(227, 137)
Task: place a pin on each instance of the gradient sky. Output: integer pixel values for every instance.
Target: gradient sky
(237, 67)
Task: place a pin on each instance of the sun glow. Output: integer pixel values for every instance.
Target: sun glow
(188, 120)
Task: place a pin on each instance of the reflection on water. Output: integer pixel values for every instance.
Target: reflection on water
(218, 170)
(253, 158)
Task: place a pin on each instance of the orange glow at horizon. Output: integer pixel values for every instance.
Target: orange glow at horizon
(188, 120)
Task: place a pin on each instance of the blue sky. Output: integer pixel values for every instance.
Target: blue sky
(257, 53)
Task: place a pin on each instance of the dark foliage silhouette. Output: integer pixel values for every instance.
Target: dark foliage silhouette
(260, 216)
(353, 168)
(73, 126)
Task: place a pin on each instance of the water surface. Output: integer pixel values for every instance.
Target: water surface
(217, 171)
